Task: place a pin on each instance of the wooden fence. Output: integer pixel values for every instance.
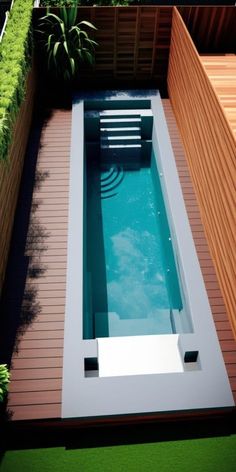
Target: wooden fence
(211, 150)
(10, 173)
(133, 42)
(211, 28)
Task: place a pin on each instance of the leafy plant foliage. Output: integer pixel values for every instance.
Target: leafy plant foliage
(66, 42)
(68, 3)
(4, 381)
(59, 3)
(15, 55)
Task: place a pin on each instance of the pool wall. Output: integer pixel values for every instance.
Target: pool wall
(114, 376)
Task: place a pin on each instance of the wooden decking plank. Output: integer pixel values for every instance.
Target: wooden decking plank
(41, 373)
(40, 343)
(29, 412)
(34, 398)
(39, 334)
(38, 353)
(21, 363)
(36, 385)
(43, 326)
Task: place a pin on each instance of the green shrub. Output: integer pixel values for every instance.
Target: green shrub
(59, 3)
(68, 3)
(15, 55)
(4, 381)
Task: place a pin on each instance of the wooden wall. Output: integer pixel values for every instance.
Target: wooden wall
(212, 28)
(211, 150)
(10, 173)
(221, 70)
(133, 42)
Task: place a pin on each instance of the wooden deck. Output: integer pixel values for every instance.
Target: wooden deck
(36, 384)
(36, 373)
(221, 70)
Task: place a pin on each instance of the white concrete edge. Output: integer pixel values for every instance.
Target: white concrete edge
(73, 327)
(204, 336)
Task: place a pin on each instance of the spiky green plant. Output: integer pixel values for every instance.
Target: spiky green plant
(65, 42)
(4, 381)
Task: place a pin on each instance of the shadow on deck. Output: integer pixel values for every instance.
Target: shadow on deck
(18, 305)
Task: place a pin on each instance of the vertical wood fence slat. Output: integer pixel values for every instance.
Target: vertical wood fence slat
(154, 41)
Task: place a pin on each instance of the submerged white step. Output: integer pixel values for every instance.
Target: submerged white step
(121, 140)
(120, 129)
(110, 324)
(115, 121)
(120, 146)
(129, 112)
(118, 138)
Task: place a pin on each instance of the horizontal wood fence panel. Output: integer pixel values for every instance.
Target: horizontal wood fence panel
(210, 150)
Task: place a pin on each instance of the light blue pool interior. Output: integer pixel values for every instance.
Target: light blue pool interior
(131, 285)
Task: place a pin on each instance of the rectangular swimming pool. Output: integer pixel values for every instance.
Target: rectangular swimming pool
(131, 284)
(128, 343)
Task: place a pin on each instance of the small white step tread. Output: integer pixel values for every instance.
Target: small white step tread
(121, 128)
(120, 120)
(120, 146)
(120, 138)
(130, 112)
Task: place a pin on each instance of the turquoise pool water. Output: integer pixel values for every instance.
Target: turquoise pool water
(131, 283)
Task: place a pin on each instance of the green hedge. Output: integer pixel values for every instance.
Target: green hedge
(15, 58)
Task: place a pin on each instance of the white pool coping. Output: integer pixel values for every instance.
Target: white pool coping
(141, 384)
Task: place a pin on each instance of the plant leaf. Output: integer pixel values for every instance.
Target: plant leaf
(87, 23)
(72, 63)
(49, 41)
(66, 47)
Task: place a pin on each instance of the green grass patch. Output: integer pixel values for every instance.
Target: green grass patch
(15, 58)
(201, 455)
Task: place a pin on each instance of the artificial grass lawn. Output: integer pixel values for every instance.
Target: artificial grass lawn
(202, 455)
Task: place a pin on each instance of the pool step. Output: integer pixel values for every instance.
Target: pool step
(120, 137)
(114, 122)
(126, 112)
(119, 131)
(120, 140)
(110, 324)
